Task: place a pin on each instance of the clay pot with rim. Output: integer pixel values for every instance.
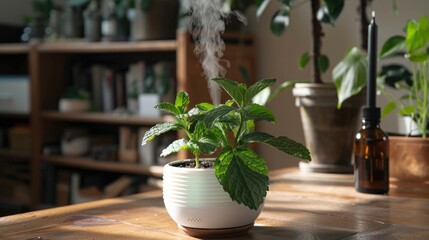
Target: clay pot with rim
(196, 201)
(328, 131)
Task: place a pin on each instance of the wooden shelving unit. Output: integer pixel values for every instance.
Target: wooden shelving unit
(15, 187)
(46, 67)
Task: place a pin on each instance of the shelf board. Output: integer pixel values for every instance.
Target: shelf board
(90, 164)
(14, 48)
(104, 118)
(107, 47)
(14, 115)
(14, 155)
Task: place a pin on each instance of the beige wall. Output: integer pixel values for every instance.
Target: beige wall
(277, 56)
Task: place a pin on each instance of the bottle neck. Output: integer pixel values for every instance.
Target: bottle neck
(366, 123)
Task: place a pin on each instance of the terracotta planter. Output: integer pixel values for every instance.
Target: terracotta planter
(196, 201)
(409, 158)
(328, 132)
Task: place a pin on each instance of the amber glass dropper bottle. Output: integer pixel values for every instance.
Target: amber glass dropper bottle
(371, 146)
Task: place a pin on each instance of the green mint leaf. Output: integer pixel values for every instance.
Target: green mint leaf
(208, 144)
(243, 175)
(257, 137)
(290, 147)
(199, 130)
(216, 113)
(205, 106)
(175, 146)
(258, 112)
(235, 90)
(159, 129)
(182, 101)
(258, 87)
(168, 107)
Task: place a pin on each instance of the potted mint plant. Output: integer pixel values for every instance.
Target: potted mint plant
(228, 190)
(408, 154)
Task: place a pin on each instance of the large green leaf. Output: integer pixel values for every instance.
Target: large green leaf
(290, 147)
(418, 57)
(323, 63)
(260, 6)
(235, 90)
(303, 60)
(417, 34)
(280, 20)
(407, 110)
(157, 130)
(329, 12)
(258, 87)
(350, 74)
(394, 74)
(392, 45)
(216, 113)
(182, 101)
(243, 175)
(258, 112)
(388, 109)
(175, 146)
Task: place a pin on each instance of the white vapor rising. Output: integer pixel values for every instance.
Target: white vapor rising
(207, 24)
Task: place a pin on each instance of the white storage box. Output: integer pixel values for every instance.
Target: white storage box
(14, 94)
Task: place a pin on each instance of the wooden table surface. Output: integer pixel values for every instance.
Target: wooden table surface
(298, 206)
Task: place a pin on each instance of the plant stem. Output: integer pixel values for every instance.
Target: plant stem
(424, 78)
(317, 41)
(239, 129)
(197, 160)
(363, 24)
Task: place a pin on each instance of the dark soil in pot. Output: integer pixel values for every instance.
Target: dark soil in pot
(204, 163)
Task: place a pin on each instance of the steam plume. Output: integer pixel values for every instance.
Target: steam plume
(207, 24)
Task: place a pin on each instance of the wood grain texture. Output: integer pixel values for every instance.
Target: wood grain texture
(298, 206)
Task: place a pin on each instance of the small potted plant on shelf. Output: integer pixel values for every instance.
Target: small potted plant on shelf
(75, 100)
(409, 154)
(224, 194)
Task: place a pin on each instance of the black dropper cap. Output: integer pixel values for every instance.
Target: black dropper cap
(371, 113)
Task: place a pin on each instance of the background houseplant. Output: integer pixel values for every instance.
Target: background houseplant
(240, 171)
(75, 100)
(325, 127)
(408, 155)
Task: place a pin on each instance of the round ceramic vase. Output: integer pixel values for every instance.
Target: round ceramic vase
(195, 199)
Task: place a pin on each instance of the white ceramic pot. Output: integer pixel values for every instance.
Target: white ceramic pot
(195, 199)
(73, 105)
